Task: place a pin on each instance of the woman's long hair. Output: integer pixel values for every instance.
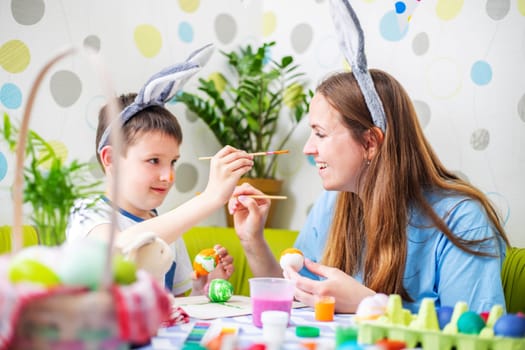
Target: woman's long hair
(369, 229)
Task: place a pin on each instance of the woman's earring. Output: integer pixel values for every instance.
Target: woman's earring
(368, 162)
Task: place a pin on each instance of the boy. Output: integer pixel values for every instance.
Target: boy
(151, 137)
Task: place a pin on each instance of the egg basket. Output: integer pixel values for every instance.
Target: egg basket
(113, 317)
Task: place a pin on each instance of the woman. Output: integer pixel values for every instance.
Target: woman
(402, 222)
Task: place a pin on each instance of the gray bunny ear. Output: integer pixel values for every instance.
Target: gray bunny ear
(352, 42)
(165, 84)
(351, 37)
(161, 87)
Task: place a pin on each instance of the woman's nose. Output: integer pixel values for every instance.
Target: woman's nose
(309, 147)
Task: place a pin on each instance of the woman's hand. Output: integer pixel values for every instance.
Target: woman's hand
(347, 292)
(226, 168)
(249, 214)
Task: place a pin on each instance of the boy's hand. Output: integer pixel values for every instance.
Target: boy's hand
(223, 270)
(226, 168)
(225, 267)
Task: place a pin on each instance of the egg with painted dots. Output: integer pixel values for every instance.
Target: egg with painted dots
(292, 257)
(205, 262)
(219, 290)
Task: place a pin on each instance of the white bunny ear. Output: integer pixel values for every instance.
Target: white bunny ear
(352, 42)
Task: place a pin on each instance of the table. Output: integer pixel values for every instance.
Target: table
(248, 334)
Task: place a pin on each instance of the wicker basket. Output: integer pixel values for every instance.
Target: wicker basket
(79, 321)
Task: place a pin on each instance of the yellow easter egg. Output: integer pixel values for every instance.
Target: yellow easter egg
(26, 270)
(124, 271)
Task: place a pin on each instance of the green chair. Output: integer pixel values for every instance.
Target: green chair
(198, 238)
(30, 237)
(513, 279)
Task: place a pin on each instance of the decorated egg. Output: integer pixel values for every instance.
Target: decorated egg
(510, 326)
(205, 262)
(292, 257)
(444, 314)
(219, 290)
(470, 323)
(27, 270)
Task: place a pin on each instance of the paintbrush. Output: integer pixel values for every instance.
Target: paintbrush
(259, 196)
(267, 153)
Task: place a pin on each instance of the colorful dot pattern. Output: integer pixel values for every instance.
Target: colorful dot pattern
(461, 61)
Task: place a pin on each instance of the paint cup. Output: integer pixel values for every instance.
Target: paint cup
(274, 325)
(324, 308)
(270, 294)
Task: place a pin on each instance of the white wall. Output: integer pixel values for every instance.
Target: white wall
(475, 121)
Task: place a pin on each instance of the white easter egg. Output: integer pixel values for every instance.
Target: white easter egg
(83, 263)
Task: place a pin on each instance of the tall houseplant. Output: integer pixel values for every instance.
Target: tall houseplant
(246, 110)
(51, 186)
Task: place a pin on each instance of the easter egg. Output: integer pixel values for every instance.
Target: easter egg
(124, 271)
(470, 323)
(219, 290)
(292, 257)
(372, 307)
(205, 262)
(510, 326)
(444, 314)
(27, 270)
(84, 263)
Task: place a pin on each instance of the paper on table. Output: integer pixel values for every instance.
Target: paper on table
(201, 308)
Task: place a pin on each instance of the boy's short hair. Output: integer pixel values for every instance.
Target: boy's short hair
(153, 118)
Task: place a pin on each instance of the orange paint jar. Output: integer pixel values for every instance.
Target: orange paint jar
(324, 308)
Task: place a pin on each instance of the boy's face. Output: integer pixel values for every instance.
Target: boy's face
(147, 172)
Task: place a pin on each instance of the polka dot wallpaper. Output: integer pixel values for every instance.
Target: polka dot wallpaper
(462, 62)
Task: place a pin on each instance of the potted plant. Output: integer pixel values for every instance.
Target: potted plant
(246, 111)
(51, 186)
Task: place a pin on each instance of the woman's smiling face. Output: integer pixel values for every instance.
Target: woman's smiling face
(339, 157)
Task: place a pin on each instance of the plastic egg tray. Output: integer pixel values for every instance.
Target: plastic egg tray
(422, 330)
(370, 333)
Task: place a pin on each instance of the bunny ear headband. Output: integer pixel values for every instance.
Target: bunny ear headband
(351, 40)
(161, 87)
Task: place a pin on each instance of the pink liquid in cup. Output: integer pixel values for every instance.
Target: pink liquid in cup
(270, 294)
(261, 304)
